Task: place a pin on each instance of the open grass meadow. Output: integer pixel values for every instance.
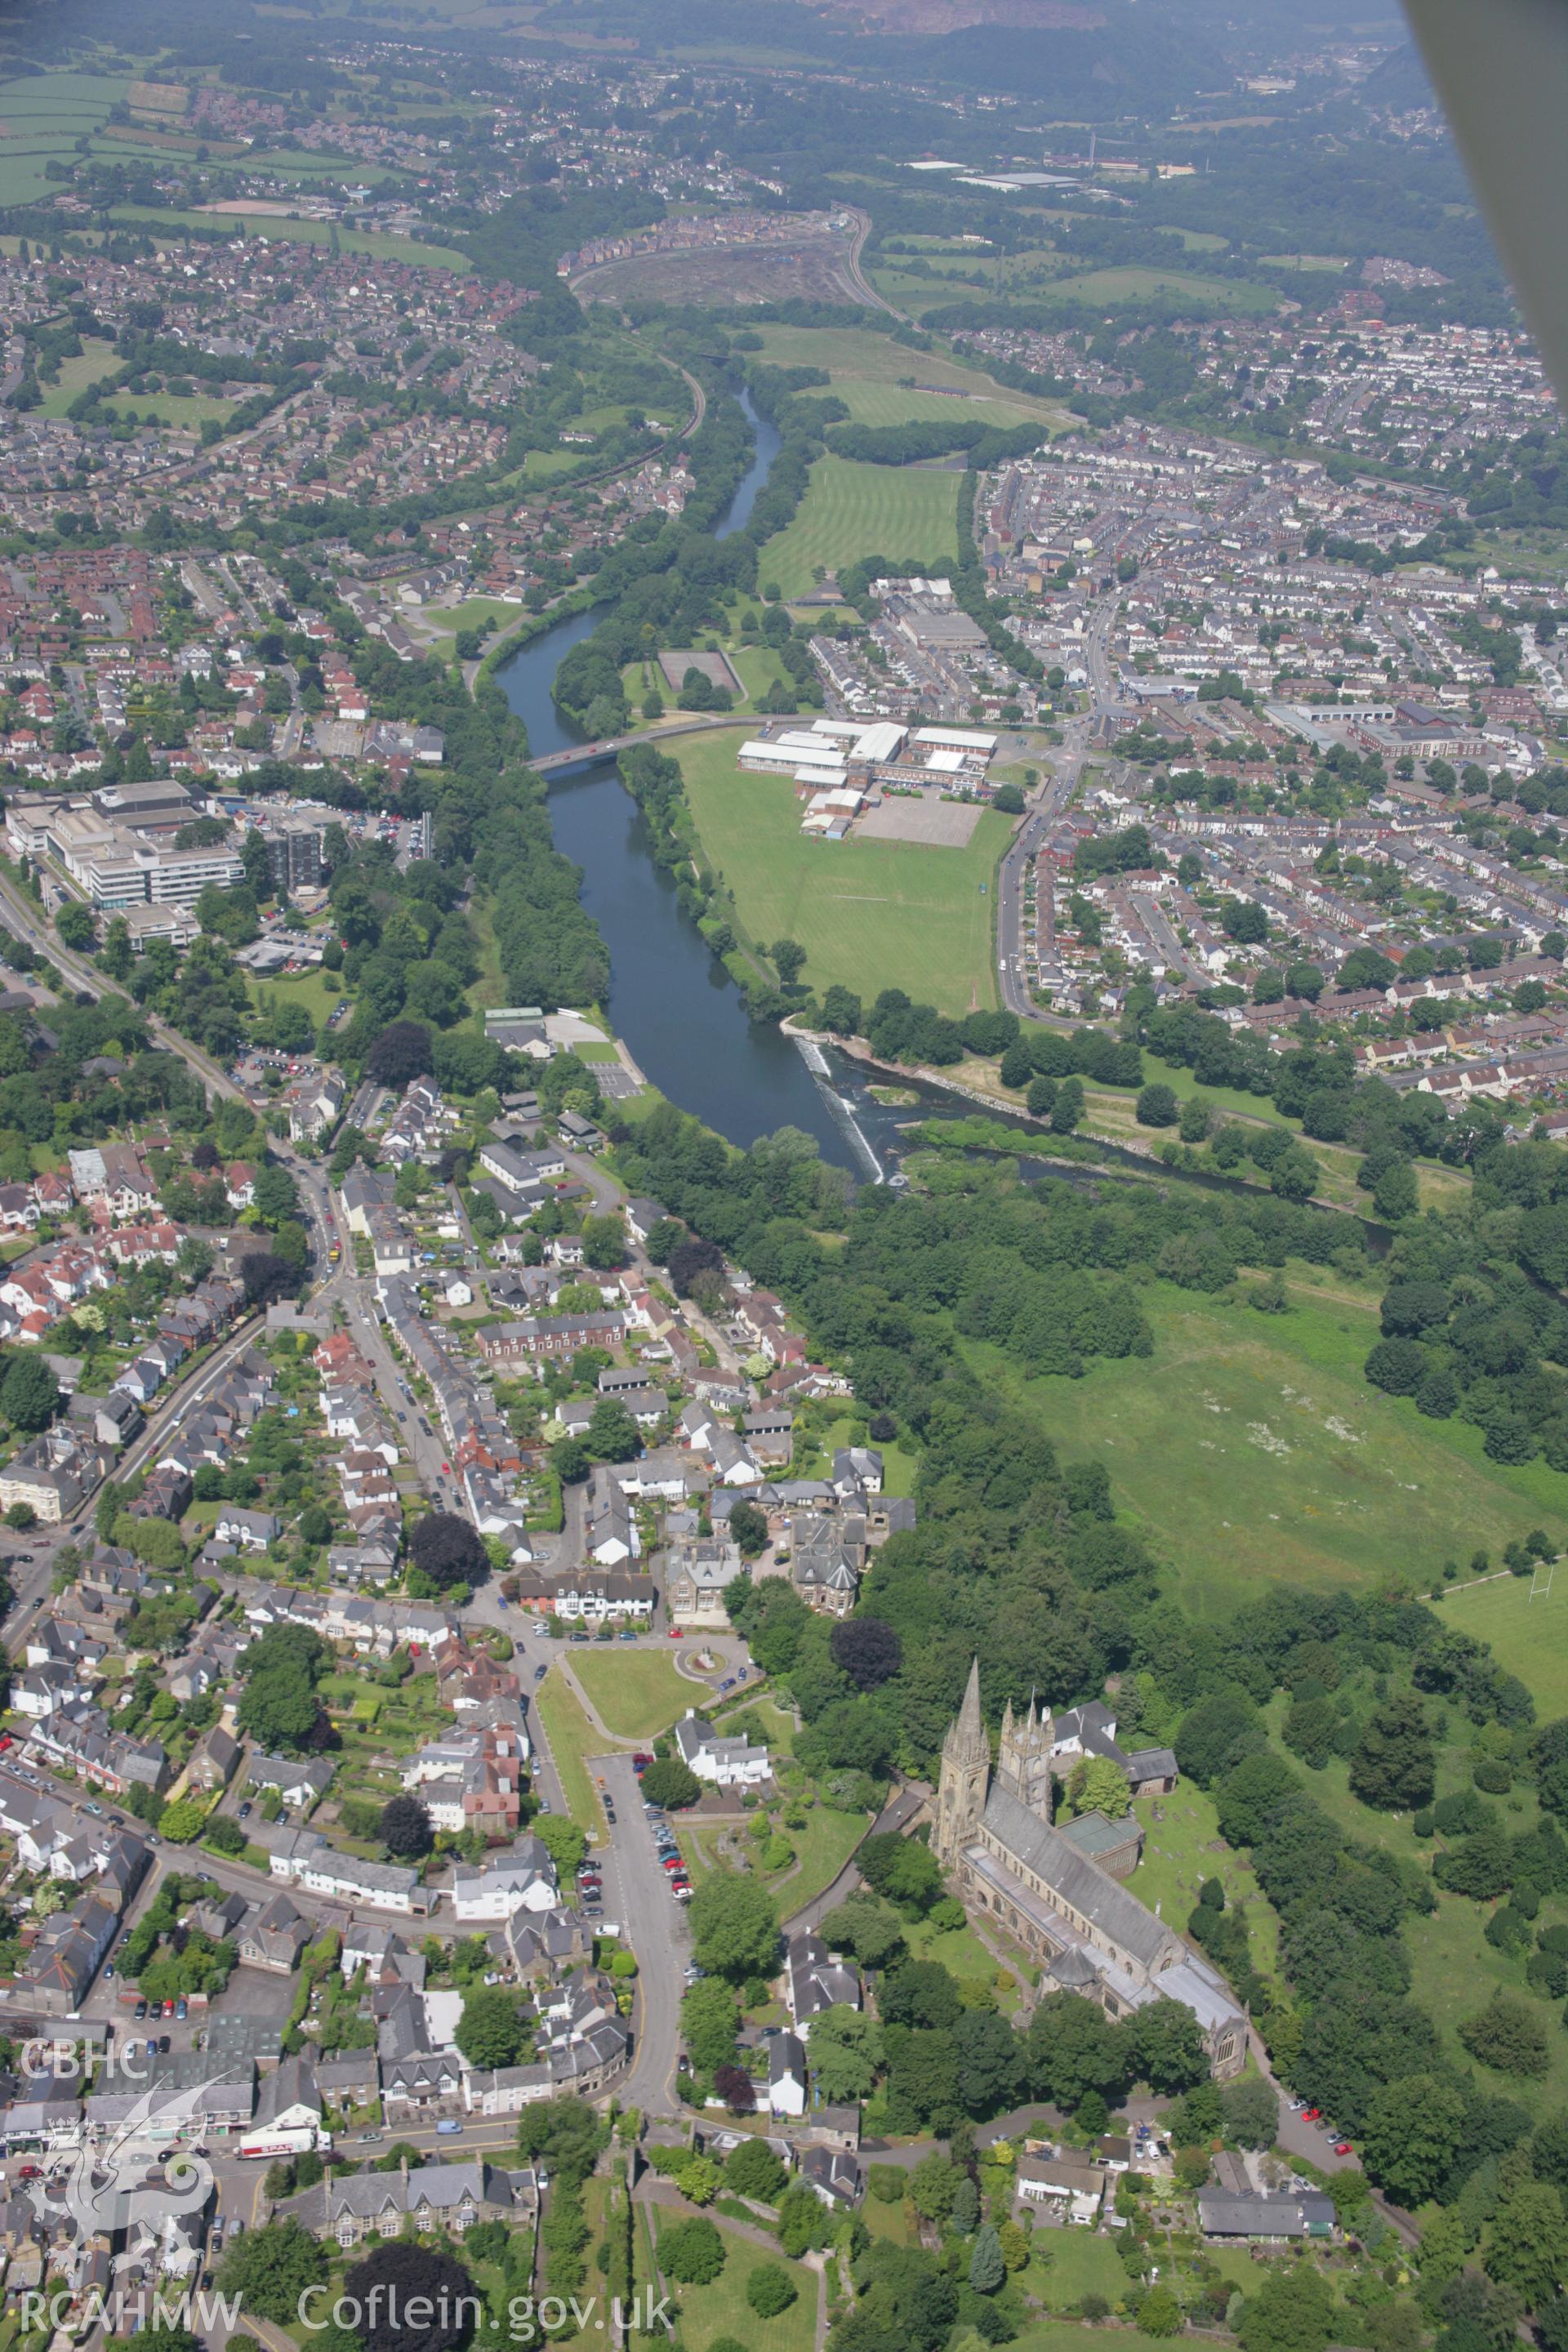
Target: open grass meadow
(871, 914)
(720, 2309)
(850, 510)
(1133, 284)
(635, 1691)
(1250, 1450)
(41, 118)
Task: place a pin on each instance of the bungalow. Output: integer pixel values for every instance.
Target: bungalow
(298, 1781)
(1074, 2190)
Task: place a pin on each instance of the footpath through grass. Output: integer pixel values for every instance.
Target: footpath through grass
(871, 914)
(1251, 1450)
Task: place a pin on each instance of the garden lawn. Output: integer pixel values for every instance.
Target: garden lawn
(637, 1692)
(722, 2309)
(871, 914)
(1060, 2334)
(1077, 2264)
(571, 1740)
(1250, 1450)
(852, 510)
(887, 2221)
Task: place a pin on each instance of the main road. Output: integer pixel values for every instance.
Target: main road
(1061, 782)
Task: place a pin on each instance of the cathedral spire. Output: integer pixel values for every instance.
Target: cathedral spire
(971, 1722)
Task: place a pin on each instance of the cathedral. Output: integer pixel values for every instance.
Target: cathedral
(1052, 1890)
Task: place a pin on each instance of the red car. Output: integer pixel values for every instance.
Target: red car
(675, 1632)
(674, 1865)
(641, 1760)
(1343, 2148)
(6, 1742)
(1311, 2115)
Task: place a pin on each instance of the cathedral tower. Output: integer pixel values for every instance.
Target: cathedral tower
(1023, 1759)
(965, 1771)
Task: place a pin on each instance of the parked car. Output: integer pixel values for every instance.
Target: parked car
(244, 1811)
(675, 1632)
(1312, 2114)
(181, 2009)
(449, 2128)
(672, 1862)
(152, 2047)
(540, 1672)
(627, 1634)
(162, 2045)
(579, 1637)
(140, 2011)
(1343, 2148)
(109, 1972)
(641, 1758)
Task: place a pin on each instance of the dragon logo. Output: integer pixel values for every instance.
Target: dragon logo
(119, 2186)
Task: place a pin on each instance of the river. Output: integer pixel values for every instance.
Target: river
(670, 998)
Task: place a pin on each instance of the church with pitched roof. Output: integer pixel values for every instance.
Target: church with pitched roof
(1049, 1889)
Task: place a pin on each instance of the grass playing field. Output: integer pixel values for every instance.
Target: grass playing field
(871, 914)
(1251, 1450)
(850, 510)
(1529, 1637)
(637, 1692)
(96, 359)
